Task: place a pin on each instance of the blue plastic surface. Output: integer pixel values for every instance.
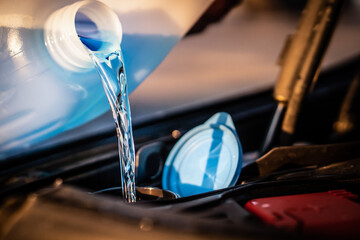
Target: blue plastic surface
(206, 158)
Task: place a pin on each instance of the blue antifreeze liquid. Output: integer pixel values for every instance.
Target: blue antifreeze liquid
(91, 44)
(111, 68)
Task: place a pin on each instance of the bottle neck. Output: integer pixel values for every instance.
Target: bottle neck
(61, 34)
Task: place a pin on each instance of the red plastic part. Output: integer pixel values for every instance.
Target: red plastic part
(328, 213)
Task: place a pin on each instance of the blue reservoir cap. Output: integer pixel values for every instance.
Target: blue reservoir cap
(206, 158)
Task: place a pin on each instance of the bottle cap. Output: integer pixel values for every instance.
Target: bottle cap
(206, 158)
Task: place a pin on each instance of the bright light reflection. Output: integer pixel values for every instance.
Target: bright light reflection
(14, 41)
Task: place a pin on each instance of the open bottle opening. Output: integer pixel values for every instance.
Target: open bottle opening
(95, 23)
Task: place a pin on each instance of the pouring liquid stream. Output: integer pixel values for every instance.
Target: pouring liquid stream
(111, 68)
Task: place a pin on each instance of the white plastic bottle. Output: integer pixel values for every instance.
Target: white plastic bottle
(47, 81)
